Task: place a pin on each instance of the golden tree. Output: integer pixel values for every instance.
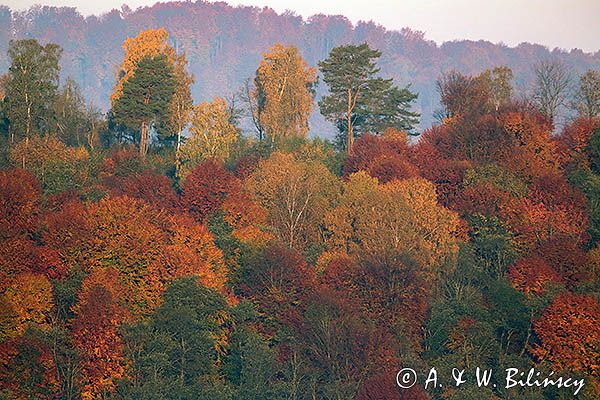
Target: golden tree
(284, 92)
(392, 221)
(150, 43)
(296, 195)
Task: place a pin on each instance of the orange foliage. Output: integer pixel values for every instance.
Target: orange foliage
(30, 296)
(246, 217)
(569, 333)
(534, 152)
(190, 250)
(573, 141)
(96, 334)
(20, 198)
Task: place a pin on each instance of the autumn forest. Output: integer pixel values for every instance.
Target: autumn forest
(161, 251)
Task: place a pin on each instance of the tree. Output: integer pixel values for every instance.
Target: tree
(204, 189)
(180, 108)
(146, 97)
(284, 92)
(96, 336)
(57, 167)
(174, 354)
(31, 87)
(358, 99)
(30, 296)
(150, 43)
(296, 195)
(76, 123)
(20, 203)
(552, 85)
(465, 96)
(569, 333)
(586, 99)
(153, 43)
(394, 222)
(212, 135)
(384, 157)
(499, 81)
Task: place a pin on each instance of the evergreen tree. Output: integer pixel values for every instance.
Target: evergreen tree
(360, 101)
(146, 98)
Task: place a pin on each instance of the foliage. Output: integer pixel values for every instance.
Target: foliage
(31, 87)
(358, 100)
(284, 92)
(212, 136)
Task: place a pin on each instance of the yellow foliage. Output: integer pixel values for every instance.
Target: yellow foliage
(401, 218)
(30, 296)
(296, 195)
(212, 135)
(283, 92)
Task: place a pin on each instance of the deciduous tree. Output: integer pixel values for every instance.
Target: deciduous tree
(284, 92)
(31, 87)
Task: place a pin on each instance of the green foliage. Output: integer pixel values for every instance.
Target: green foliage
(147, 95)
(358, 101)
(174, 353)
(31, 87)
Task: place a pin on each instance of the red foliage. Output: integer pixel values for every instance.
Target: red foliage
(205, 188)
(383, 157)
(20, 200)
(246, 165)
(280, 282)
(483, 198)
(566, 257)
(66, 231)
(96, 335)
(154, 189)
(569, 333)
(391, 294)
(531, 274)
(535, 222)
(573, 141)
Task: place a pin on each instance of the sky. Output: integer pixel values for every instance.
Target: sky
(566, 24)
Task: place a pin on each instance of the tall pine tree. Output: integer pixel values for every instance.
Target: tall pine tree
(360, 101)
(146, 96)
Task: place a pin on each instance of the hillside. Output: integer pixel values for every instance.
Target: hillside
(224, 45)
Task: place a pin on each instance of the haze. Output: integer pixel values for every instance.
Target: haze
(565, 24)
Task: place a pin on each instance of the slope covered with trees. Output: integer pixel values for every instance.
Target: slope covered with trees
(140, 263)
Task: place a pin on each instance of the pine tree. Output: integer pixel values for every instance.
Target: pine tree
(146, 98)
(357, 99)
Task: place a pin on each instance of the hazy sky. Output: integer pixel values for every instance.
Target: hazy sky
(555, 23)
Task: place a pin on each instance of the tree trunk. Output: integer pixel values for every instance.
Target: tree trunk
(143, 140)
(350, 132)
